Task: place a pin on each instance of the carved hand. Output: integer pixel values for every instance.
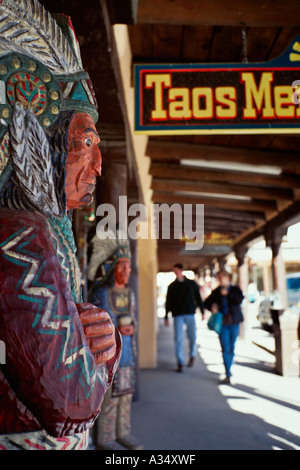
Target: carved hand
(99, 331)
(214, 308)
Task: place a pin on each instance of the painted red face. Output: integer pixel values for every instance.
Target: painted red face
(122, 271)
(83, 162)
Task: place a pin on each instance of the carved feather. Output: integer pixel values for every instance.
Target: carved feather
(102, 250)
(26, 27)
(32, 161)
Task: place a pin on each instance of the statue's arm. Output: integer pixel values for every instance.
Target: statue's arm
(49, 363)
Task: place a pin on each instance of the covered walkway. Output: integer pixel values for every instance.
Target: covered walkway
(191, 411)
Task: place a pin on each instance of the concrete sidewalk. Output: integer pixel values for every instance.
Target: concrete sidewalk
(260, 410)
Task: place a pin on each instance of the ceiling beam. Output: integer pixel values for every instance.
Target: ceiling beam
(162, 150)
(270, 13)
(233, 215)
(210, 225)
(167, 258)
(284, 219)
(266, 207)
(222, 222)
(124, 12)
(228, 189)
(169, 171)
(225, 225)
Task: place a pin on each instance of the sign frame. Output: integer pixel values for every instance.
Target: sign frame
(285, 62)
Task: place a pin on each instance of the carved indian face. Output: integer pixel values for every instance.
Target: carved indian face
(83, 162)
(122, 272)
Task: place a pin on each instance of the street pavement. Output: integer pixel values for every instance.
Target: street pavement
(259, 410)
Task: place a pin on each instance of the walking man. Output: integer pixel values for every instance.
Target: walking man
(183, 297)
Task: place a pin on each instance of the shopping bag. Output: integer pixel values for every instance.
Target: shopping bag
(215, 322)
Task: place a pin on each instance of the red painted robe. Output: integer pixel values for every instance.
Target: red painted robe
(50, 386)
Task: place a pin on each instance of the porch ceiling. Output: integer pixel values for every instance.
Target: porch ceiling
(248, 183)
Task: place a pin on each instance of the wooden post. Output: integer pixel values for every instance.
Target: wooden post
(274, 241)
(266, 280)
(284, 323)
(243, 268)
(243, 280)
(113, 184)
(278, 272)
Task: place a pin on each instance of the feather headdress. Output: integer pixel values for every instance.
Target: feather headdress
(27, 28)
(41, 74)
(32, 161)
(105, 254)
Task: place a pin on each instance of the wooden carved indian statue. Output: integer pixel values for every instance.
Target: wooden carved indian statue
(109, 271)
(61, 353)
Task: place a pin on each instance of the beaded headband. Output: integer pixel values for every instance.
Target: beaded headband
(40, 64)
(41, 74)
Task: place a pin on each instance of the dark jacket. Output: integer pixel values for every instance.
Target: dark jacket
(183, 297)
(234, 299)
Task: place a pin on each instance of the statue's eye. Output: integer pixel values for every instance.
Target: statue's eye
(88, 142)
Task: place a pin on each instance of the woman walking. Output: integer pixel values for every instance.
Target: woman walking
(227, 299)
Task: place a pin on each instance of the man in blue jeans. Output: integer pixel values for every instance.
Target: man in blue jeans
(183, 296)
(227, 299)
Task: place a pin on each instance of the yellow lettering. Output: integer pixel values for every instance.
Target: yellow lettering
(159, 82)
(207, 111)
(179, 108)
(283, 97)
(257, 96)
(226, 97)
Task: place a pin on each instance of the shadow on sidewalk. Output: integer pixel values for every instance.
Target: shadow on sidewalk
(191, 411)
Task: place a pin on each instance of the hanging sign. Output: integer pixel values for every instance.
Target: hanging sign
(219, 98)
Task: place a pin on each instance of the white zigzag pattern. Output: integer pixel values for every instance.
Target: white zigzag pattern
(27, 282)
(61, 255)
(45, 293)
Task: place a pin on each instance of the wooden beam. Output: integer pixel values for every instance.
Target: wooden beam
(210, 225)
(284, 219)
(124, 12)
(226, 226)
(233, 215)
(166, 259)
(228, 189)
(212, 216)
(222, 222)
(161, 150)
(230, 215)
(169, 171)
(269, 13)
(236, 216)
(255, 205)
(206, 250)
